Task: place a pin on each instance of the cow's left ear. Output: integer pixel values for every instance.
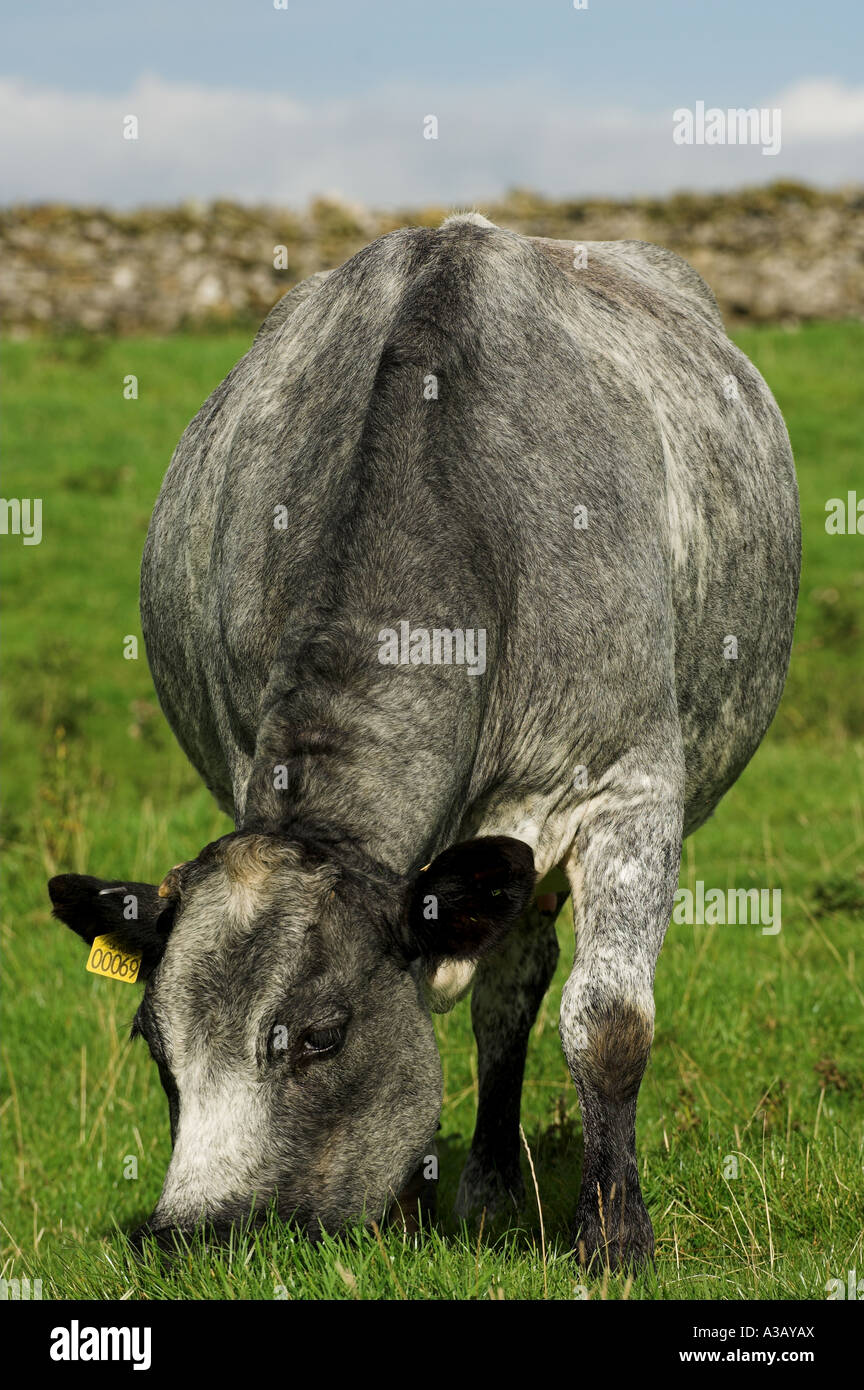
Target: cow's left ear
(133, 913)
(466, 900)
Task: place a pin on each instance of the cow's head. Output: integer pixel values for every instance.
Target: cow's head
(285, 1005)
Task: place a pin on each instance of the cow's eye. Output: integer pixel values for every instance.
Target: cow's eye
(316, 1041)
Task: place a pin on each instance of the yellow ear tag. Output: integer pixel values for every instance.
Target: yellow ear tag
(110, 959)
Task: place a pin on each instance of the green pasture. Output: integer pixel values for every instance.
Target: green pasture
(750, 1120)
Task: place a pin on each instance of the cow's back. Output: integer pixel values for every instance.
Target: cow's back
(430, 419)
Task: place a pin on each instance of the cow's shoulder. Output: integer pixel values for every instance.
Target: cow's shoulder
(656, 267)
(286, 306)
(667, 270)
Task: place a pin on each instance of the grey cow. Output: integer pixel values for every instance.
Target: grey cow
(473, 583)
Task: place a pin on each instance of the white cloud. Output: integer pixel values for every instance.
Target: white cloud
(203, 142)
(821, 109)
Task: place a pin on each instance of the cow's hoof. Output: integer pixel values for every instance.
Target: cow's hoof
(497, 1193)
(616, 1243)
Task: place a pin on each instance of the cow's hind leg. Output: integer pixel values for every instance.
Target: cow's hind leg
(508, 989)
(623, 875)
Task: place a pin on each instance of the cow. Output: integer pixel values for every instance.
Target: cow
(472, 586)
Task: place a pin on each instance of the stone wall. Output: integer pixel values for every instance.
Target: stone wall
(781, 253)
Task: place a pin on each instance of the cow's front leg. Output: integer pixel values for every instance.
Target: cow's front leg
(623, 876)
(508, 989)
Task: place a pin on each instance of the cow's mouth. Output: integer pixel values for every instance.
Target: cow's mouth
(413, 1209)
(415, 1206)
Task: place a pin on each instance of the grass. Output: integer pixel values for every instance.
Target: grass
(750, 1115)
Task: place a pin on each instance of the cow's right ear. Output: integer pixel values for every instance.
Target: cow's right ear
(133, 913)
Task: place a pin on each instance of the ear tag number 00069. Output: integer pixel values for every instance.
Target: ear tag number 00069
(111, 960)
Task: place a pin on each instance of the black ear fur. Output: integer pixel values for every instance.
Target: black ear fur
(95, 907)
(479, 888)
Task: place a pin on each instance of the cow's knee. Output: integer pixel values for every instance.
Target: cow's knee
(606, 1040)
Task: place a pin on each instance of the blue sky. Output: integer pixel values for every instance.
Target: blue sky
(236, 98)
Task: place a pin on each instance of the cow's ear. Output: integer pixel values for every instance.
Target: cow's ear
(466, 900)
(133, 913)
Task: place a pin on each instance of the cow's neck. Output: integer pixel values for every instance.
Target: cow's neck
(388, 768)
